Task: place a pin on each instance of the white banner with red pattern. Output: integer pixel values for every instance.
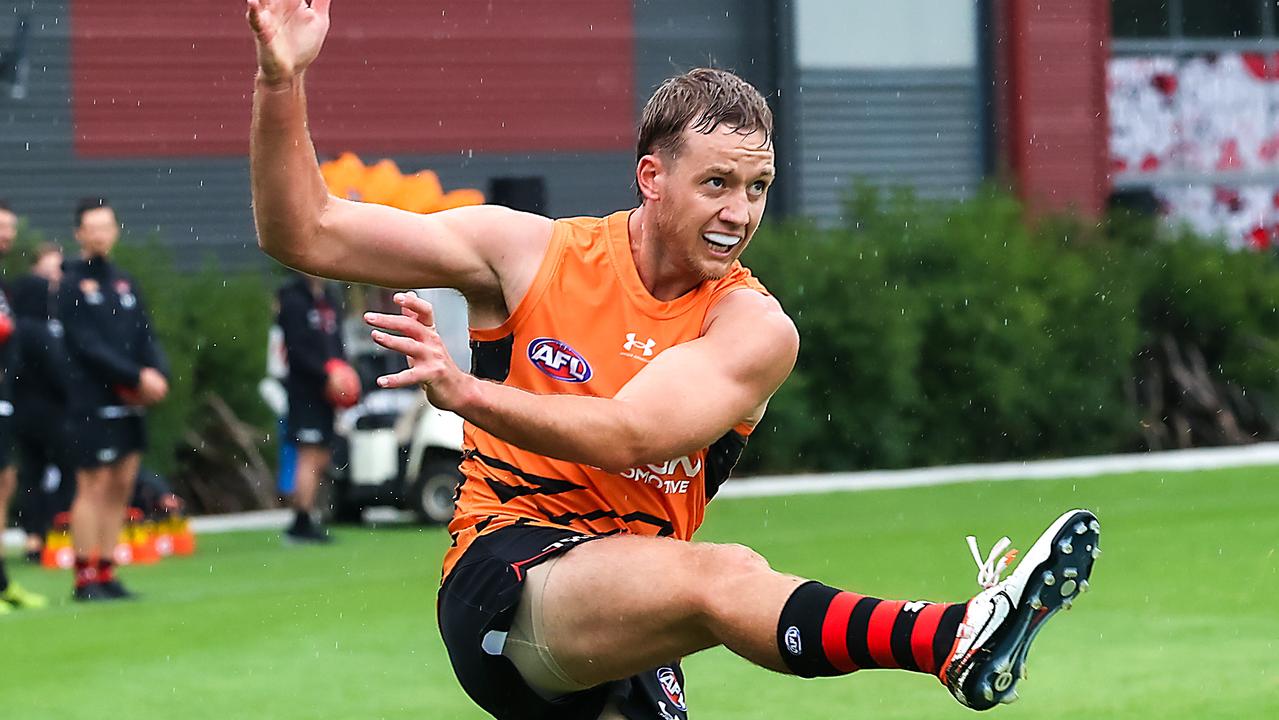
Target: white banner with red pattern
(1209, 114)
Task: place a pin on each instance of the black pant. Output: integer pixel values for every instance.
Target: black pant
(42, 451)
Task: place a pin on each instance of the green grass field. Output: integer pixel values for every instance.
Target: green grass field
(1181, 622)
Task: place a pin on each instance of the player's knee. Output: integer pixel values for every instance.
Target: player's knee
(91, 485)
(741, 559)
(728, 569)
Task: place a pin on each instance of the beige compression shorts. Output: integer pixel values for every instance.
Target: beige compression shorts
(528, 648)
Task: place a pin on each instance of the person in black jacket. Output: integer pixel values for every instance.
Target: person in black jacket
(318, 381)
(12, 595)
(8, 348)
(40, 394)
(117, 370)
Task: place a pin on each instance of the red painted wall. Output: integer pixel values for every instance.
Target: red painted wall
(402, 76)
(1053, 70)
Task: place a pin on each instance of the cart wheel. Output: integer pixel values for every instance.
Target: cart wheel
(431, 498)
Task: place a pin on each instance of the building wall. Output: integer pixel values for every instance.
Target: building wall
(1054, 84)
(152, 110)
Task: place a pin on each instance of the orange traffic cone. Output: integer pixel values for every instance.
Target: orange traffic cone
(123, 552)
(183, 537)
(142, 538)
(164, 536)
(58, 553)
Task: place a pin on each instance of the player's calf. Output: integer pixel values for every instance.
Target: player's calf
(824, 631)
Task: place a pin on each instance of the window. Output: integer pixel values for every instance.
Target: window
(1222, 18)
(1194, 20)
(1140, 18)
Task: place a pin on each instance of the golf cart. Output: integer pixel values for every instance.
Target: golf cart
(392, 448)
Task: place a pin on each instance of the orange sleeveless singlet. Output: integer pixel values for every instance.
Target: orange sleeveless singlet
(586, 326)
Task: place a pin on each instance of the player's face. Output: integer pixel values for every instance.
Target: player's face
(8, 230)
(49, 267)
(98, 232)
(714, 196)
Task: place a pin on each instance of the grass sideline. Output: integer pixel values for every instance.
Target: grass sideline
(1180, 623)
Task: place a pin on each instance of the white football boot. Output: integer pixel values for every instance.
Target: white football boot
(989, 654)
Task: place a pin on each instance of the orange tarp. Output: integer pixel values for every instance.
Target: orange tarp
(383, 183)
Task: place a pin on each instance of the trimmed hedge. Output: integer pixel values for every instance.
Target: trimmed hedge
(942, 332)
(213, 327)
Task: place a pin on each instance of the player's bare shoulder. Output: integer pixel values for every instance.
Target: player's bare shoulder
(510, 242)
(758, 328)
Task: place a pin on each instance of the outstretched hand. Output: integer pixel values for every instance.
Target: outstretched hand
(429, 363)
(289, 34)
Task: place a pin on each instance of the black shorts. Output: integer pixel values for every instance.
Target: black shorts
(481, 594)
(6, 434)
(310, 421)
(97, 440)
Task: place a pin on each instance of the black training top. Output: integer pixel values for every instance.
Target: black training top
(40, 389)
(312, 335)
(108, 333)
(8, 354)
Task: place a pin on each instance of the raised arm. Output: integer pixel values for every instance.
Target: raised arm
(681, 402)
(478, 250)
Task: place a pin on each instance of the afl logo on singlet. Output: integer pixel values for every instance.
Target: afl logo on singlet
(558, 360)
(670, 687)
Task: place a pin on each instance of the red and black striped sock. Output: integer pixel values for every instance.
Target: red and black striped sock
(824, 631)
(106, 570)
(86, 572)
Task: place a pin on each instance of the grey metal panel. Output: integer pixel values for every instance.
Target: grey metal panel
(748, 37)
(35, 131)
(672, 36)
(202, 206)
(40, 122)
(904, 128)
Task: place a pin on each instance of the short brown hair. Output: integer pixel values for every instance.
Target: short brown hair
(704, 99)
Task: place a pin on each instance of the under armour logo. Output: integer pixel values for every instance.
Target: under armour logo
(645, 348)
(915, 606)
